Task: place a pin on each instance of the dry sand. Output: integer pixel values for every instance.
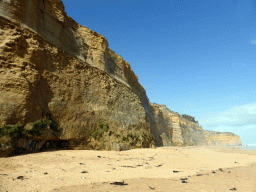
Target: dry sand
(160, 169)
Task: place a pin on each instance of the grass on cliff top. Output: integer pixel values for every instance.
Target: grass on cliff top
(18, 130)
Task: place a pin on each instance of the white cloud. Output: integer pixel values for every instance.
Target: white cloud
(235, 116)
(240, 120)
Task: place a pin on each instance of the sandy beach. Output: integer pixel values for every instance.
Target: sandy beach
(160, 169)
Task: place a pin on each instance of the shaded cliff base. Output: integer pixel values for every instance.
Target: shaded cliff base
(160, 169)
(45, 135)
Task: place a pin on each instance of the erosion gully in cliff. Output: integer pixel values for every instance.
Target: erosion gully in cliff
(61, 86)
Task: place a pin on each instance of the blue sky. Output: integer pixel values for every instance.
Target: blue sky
(198, 57)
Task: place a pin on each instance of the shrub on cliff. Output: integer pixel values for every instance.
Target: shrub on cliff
(103, 125)
(13, 131)
(99, 129)
(39, 126)
(97, 133)
(54, 126)
(124, 139)
(147, 138)
(133, 137)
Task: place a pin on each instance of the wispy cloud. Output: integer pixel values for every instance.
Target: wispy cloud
(240, 120)
(235, 116)
(253, 42)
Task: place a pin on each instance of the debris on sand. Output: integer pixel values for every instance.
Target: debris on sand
(118, 183)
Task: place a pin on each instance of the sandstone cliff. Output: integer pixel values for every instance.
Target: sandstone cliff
(53, 67)
(56, 73)
(172, 129)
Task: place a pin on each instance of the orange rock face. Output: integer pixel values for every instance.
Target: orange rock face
(52, 67)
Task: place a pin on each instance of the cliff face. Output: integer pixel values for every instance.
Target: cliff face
(52, 67)
(220, 138)
(172, 129)
(49, 20)
(54, 70)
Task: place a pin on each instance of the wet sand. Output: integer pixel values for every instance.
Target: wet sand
(160, 169)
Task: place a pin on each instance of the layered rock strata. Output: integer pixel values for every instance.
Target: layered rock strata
(52, 68)
(172, 129)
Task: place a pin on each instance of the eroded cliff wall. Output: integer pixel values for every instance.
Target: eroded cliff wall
(55, 70)
(50, 66)
(172, 129)
(48, 19)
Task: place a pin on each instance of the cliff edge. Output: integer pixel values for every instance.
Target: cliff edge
(173, 129)
(62, 86)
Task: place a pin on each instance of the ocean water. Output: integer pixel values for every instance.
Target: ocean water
(248, 147)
